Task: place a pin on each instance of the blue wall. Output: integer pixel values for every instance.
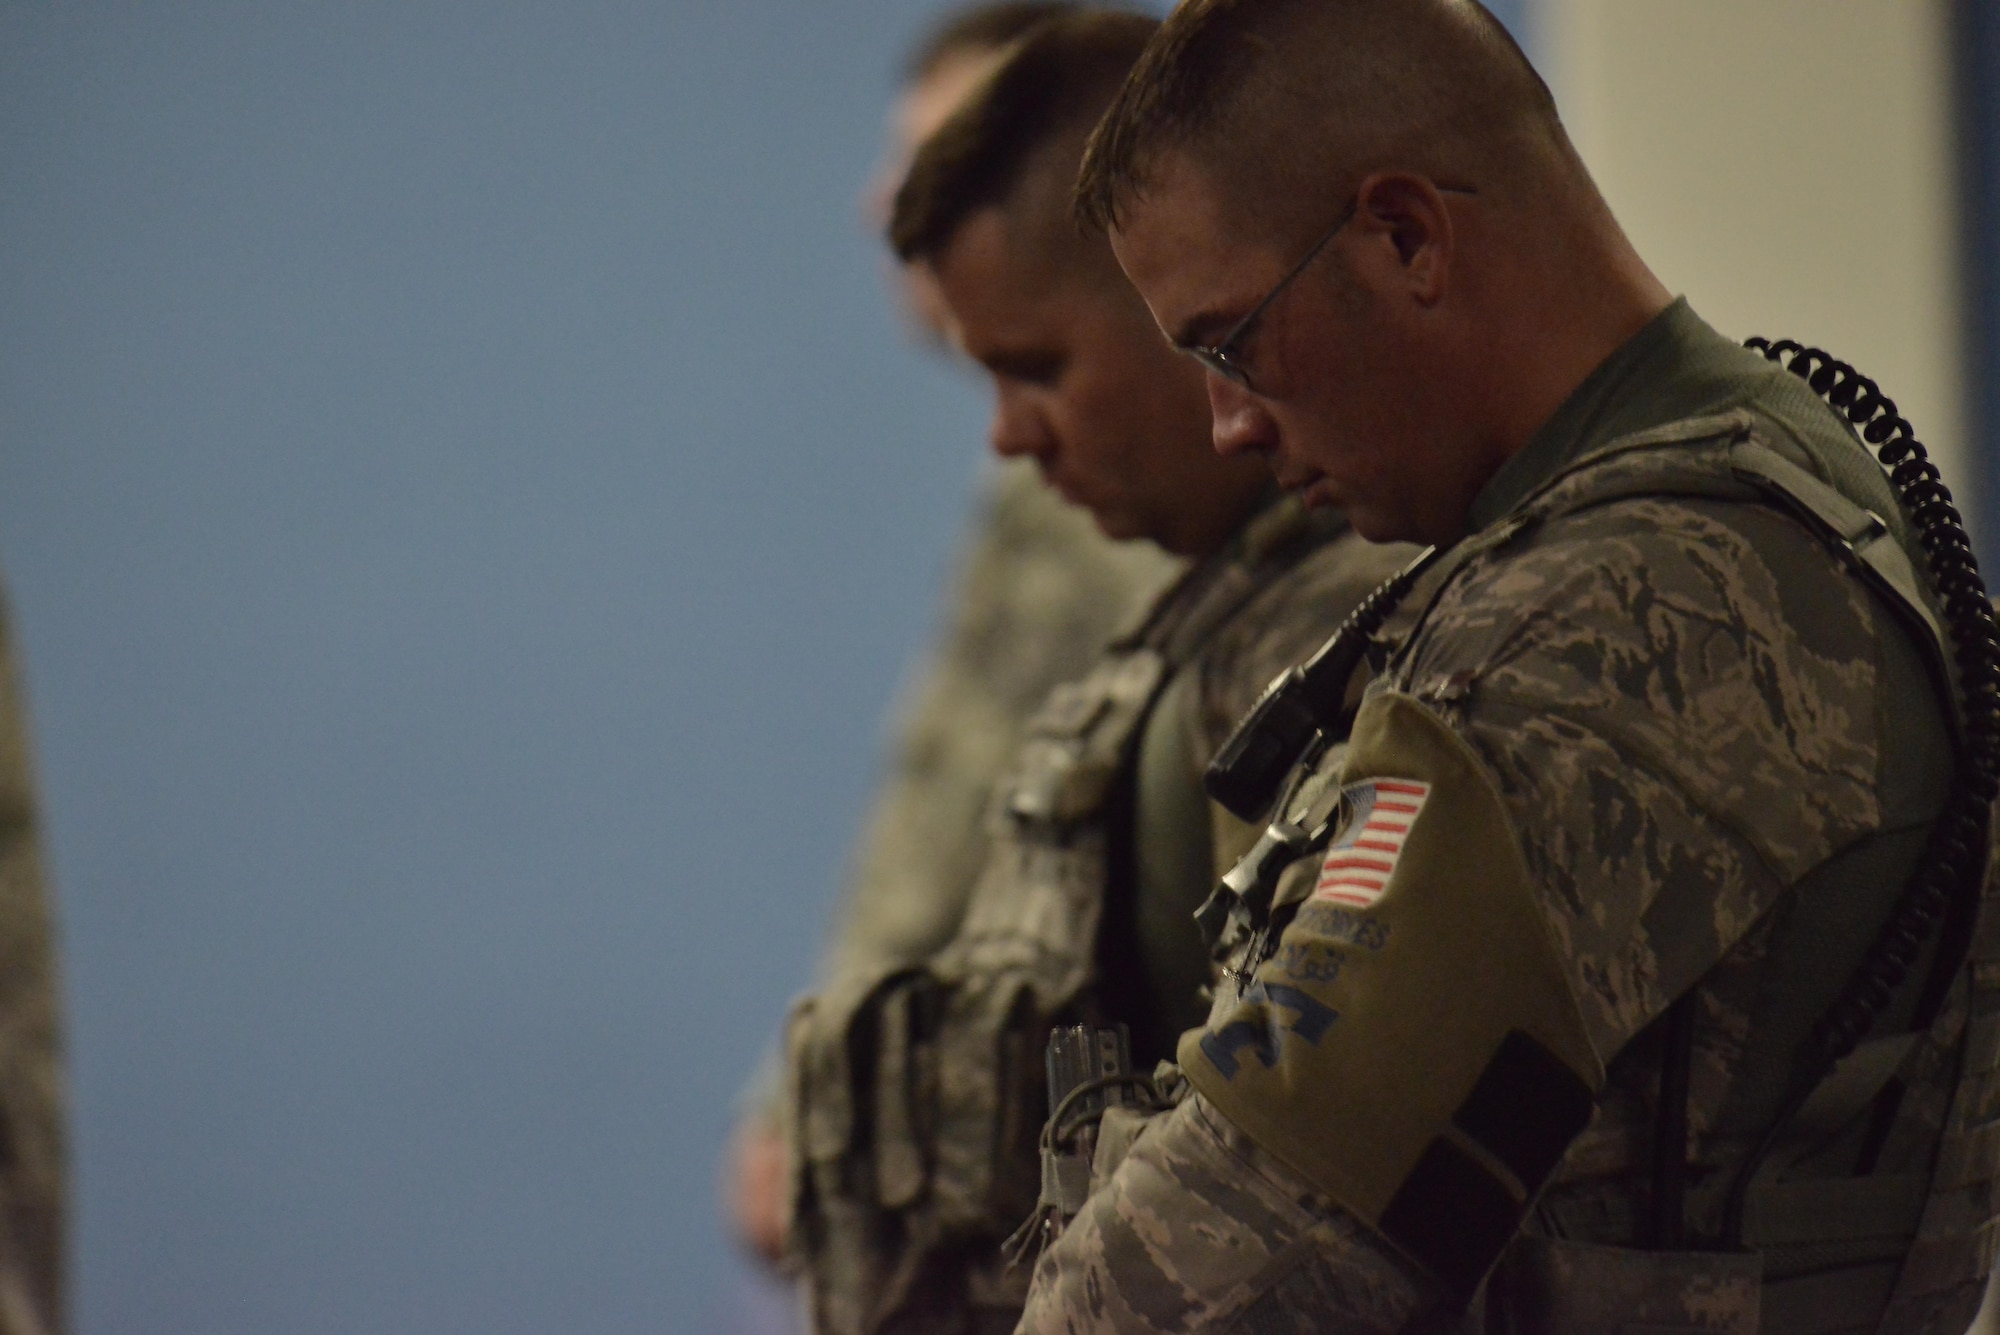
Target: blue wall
(1519, 17)
(467, 506)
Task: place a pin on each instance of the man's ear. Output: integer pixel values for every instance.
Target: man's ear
(1408, 215)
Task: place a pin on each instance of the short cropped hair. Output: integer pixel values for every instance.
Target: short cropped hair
(976, 29)
(1046, 94)
(1282, 87)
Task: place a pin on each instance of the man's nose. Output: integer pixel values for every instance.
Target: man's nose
(1018, 429)
(1240, 423)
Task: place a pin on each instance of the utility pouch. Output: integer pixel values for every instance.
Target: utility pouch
(905, 1080)
(1089, 1076)
(1552, 1287)
(1076, 742)
(1090, 1071)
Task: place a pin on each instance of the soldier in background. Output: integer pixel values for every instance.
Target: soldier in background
(1037, 594)
(33, 1169)
(1039, 591)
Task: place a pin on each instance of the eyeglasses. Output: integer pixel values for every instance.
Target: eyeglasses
(1225, 356)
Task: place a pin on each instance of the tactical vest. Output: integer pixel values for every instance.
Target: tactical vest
(918, 1094)
(1941, 1224)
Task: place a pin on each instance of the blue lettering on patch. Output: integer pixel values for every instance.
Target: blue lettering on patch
(1312, 1018)
(1346, 926)
(1309, 962)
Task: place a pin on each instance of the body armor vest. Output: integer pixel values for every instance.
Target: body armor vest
(1922, 1243)
(918, 1094)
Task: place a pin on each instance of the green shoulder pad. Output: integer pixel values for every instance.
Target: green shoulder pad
(1412, 1046)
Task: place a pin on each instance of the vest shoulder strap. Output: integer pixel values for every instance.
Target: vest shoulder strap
(1721, 457)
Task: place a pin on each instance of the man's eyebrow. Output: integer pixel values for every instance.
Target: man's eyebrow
(1020, 363)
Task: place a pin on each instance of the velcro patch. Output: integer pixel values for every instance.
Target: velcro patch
(1362, 858)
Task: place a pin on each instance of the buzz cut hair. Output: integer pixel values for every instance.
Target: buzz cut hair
(977, 29)
(1276, 93)
(1027, 121)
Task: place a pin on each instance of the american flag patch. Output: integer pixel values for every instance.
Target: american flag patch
(1359, 863)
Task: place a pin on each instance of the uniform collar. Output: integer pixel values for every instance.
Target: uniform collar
(1677, 366)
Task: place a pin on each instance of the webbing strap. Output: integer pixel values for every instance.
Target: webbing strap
(1846, 1091)
(1958, 1238)
(1980, 1074)
(1835, 1209)
(1983, 1044)
(1941, 1264)
(1180, 623)
(1985, 949)
(1440, 569)
(1857, 533)
(1827, 1301)
(1969, 1157)
(1863, 535)
(1980, 1097)
(899, 1162)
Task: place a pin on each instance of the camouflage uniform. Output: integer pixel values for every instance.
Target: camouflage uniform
(1038, 594)
(1651, 738)
(919, 1090)
(33, 1180)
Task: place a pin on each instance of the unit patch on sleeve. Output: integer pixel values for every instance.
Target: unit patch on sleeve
(1360, 860)
(1419, 976)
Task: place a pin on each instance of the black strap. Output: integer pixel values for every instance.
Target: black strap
(1670, 1126)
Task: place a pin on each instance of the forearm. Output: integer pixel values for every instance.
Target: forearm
(1201, 1230)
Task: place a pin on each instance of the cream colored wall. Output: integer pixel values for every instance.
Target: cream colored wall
(1788, 165)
